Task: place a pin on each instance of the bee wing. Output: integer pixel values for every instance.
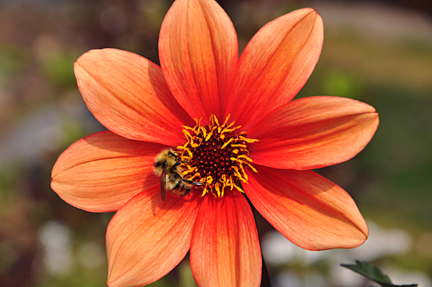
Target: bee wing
(162, 180)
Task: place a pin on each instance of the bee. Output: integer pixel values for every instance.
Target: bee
(167, 167)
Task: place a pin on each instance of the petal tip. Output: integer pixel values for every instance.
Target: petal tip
(358, 242)
(309, 11)
(361, 236)
(86, 55)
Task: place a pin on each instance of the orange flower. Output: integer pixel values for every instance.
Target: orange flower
(191, 102)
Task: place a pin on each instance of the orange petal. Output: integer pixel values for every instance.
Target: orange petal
(275, 65)
(101, 172)
(198, 52)
(225, 249)
(313, 132)
(128, 94)
(309, 210)
(148, 237)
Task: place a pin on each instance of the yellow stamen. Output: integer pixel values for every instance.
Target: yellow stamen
(187, 134)
(251, 167)
(238, 188)
(204, 131)
(226, 120)
(227, 143)
(209, 135)
(188, 128)
(250, 140)
(239, 145)
(245, 157)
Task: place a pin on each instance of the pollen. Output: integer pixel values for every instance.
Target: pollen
(216, 155)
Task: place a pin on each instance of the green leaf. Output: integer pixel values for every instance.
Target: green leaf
(373, 273)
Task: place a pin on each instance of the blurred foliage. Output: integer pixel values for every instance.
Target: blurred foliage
(41, 113)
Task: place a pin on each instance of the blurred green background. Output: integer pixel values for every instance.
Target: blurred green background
(377, 52)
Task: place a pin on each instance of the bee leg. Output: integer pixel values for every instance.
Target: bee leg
(192, 182)
(177, 163)
(187, 181)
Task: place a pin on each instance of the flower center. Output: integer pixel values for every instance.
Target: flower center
(215, 155)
